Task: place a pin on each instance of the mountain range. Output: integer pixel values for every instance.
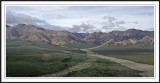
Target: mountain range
(119, 38)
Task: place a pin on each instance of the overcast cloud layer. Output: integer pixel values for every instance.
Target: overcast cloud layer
(83, 18)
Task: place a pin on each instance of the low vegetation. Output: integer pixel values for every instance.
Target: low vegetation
(27, 59)
(80, 46)
(105, 68)
(30, 59)
(133, 53)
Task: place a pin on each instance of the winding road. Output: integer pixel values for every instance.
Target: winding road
(148, 69)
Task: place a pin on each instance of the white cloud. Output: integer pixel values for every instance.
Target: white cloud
(83, 28)
(52, 16)
(103, 18)
(18, 18)
(49, 8)
(13, 18)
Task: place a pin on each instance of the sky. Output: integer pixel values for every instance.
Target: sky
(83, 19)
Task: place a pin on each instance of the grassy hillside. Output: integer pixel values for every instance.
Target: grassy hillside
(140, 54)
(27, 59)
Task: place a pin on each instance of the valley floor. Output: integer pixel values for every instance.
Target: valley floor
(28, 59)
(80, 66)
(149, 69)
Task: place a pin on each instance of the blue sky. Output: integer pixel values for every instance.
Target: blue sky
(83, 18)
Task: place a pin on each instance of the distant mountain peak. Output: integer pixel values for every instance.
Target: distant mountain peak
(21, 25)
(34, 33)
(133, 30)
(127, 37)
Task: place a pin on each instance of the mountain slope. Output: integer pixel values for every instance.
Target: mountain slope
(33, 33)
(128, 37)
(120, 38)
(81, 35)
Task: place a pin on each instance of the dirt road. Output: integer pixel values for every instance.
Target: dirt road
(149, 69)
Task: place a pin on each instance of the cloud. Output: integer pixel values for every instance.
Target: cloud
(149, 29)
(121, 28)
(53, 27)
(108, 25)
(13, 18)
(53, 16)
(120, 22)
(71, 17)
(111, 22)
(49, 8)
(135, 22)
(83, 28)
(75, 28)
(109, 18)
